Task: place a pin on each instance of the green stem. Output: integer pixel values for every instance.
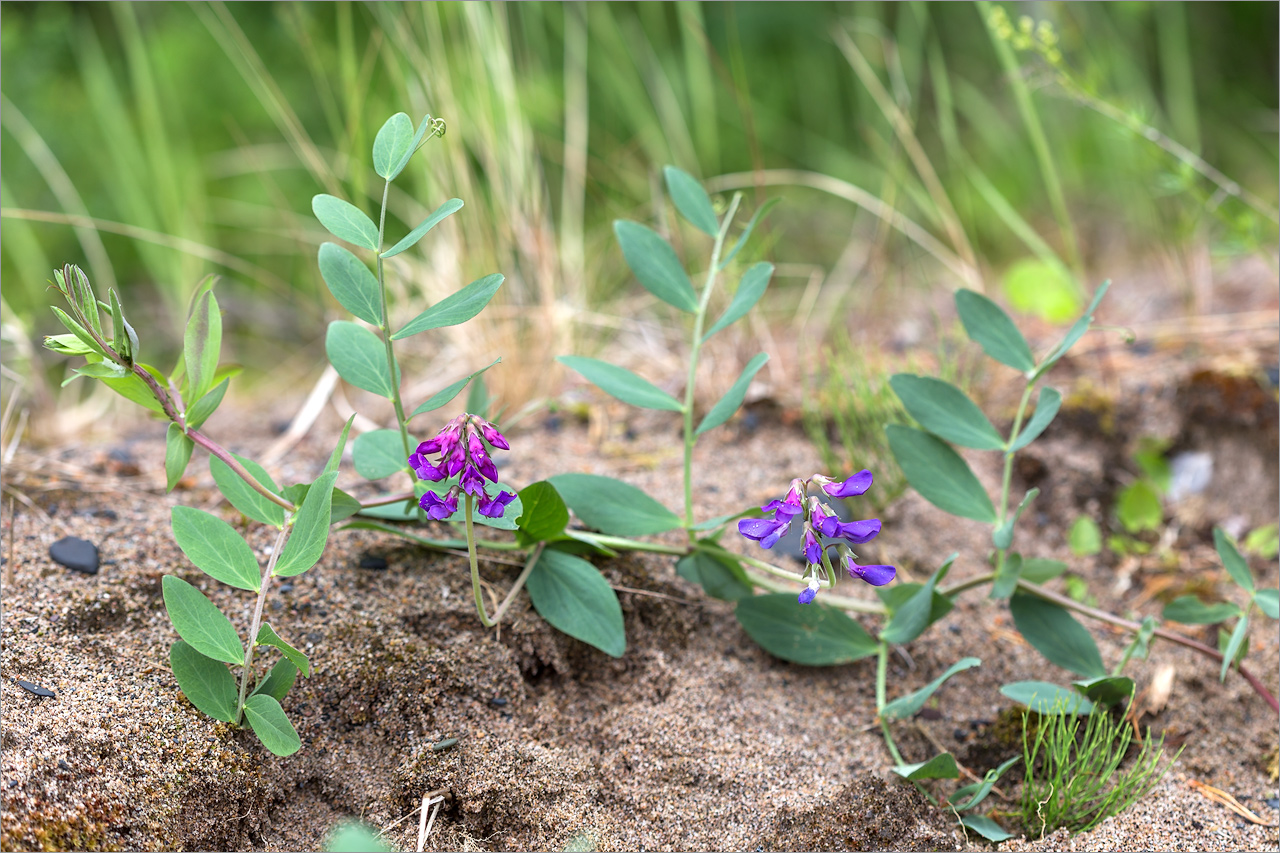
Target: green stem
(695, 348)
(385, 328)
(882, 675)
(840, 602)
(475, 571)
(256, 624)
(629, 544)
(1007, 478)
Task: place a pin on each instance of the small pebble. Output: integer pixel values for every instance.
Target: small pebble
(108, 514)
(929, 714)
(76, 554)
(314, 637)
(372, 561)
(34, 688)
(285, 588)
(1274, 802)
(63, 764)
(498, 702)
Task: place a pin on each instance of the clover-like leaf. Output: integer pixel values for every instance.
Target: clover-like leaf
(345, 221)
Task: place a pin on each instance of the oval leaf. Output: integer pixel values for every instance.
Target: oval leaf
(1190, 610)
(215, 548)
(345, 221)
(379, 453)
(1106, 691)
(746, 232)
(622, 383)
(575, 599)
(1057, 635)
(809, 634)
(691, 200)
(450, 207)
(1038, 570)
(359, 357)
(987, 325)
(310, 530)
(750, 289)
(351, 282)
(442, 397)
(1045, 698)
(199, 621)
(1268, 601)
(391, 144)
(1047, 406)
(986, 827)
(612, 506)
(1232, 650)
(269, 723)
(907, 706)
(913, 616)
(944, 410)
(729, 403)
(206, 405)
(243, 496)
(939, 474)
(655, 264)
(545, 515)
(939, 767)
(278, 680)
(455, 308)
(1076, 331)
(204, 681)
(719, 576)
(413, 146)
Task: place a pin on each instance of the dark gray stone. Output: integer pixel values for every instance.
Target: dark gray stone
(76, 554)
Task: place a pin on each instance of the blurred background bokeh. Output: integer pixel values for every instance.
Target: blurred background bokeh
(1027, 149)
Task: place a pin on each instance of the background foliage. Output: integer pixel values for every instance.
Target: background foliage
(156, 143)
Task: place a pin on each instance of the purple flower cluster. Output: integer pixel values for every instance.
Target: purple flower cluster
(820, 520)
(461, 445)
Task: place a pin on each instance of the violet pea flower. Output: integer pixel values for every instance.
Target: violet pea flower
(764, 530)
(874, 575)
(855, 485)
(437, 508)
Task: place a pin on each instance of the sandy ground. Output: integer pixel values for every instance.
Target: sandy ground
(694, 739)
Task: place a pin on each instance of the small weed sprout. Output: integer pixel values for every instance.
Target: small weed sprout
(1074, 776)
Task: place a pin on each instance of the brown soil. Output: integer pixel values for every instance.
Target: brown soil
(695, 738)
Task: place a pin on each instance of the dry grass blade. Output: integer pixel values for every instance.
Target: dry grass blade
(1224, 799)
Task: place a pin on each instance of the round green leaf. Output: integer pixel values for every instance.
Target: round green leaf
(732, 399)
(215, 548)
(655, 264)
(691, 200)
(206, 682)
(359, 357)
(575, 599)
(379, 453)
(351, 282)
(1268, 601)
(939, 474)
(278, 680)
(986, 827)
(1084, 538)
(1107, 690)
(1039, 570)
(391, 144)
(987, 325)
(1057, 635)
(612, 506)
(1138, 507)
(269, 723)
(455, 308)
(545, 515)
(939, 767)
(199, 621)
(809, 634)
(1042, 289)
(719, 576)
(944, 410)
(622, 383)
(345, 221)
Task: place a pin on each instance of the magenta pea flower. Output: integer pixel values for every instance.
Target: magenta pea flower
(820, 522)
(463, 454)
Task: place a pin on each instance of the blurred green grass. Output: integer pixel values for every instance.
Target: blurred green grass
(155, 143)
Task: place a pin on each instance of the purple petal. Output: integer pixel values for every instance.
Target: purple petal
(494, 437)
(439, 509)
(828, 525)
(812, 550)
(494, 507)
(431, 445)
(807, 596)
(480, 458)
(471, 482)
(765, 531)
(874, 575)
(855, 485)
(859, 532)
(781, 509)
(424, 469)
